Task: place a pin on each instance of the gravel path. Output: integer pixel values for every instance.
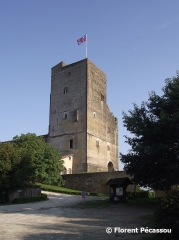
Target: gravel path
(58, 219)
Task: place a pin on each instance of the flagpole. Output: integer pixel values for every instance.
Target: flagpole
(86, 45)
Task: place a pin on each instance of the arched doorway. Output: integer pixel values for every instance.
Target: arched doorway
(110, 167)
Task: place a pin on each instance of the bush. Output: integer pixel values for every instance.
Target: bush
(151, 194)
(130, 195)
(141, 194)
(167, 215)
(30, 199)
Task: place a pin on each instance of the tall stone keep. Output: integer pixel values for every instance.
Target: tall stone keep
(81, 124)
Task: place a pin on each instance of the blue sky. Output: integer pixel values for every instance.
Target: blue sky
(135, 42)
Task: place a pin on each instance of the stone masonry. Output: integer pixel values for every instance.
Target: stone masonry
(80, 120)
(95, 182)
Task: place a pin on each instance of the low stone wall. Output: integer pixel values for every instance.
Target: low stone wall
(94, 182)
(30, 192)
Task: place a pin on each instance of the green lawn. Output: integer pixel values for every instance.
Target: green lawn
(50, 188)
(143, 202)
(140, 202)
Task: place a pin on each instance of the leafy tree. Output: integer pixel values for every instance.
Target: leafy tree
(46, 159)
(153, 159)
(16, 168)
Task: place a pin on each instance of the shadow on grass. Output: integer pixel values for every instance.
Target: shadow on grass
(143, 202)
(140, 202)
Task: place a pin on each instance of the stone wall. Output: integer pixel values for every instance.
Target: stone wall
(94, 182)
(102, 129)
(68, 112)
(79, 114)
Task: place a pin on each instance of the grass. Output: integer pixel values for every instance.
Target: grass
(93, 204)
(50, 188)
(143, 202)
(139, 202)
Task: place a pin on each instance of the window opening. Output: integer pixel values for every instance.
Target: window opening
(65, 90)
(77, 115)
(65, 115)
(71, 143)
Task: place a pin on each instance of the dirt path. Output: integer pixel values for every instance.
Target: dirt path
(54, 219)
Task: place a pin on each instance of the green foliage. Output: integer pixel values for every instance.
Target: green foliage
(27, 158)
(93, 204)
(30, 199)
(46, 159)
(153, 159)
(16, 167)
(151, 194)
(141, 194)
(167, 215)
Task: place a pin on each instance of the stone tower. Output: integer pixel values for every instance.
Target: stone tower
(81, 124)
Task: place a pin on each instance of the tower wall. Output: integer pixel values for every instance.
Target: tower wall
(102, 133)
(80, 120)
(68, 112)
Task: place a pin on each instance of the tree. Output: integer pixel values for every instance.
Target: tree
(153, 159)
(46, 159)
(16, 167)
(26, 159)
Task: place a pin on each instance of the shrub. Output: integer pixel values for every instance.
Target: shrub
(141, 194)
(151, 194)
(167, 215)
(130, 195)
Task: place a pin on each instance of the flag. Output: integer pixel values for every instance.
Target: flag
(81, 40)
